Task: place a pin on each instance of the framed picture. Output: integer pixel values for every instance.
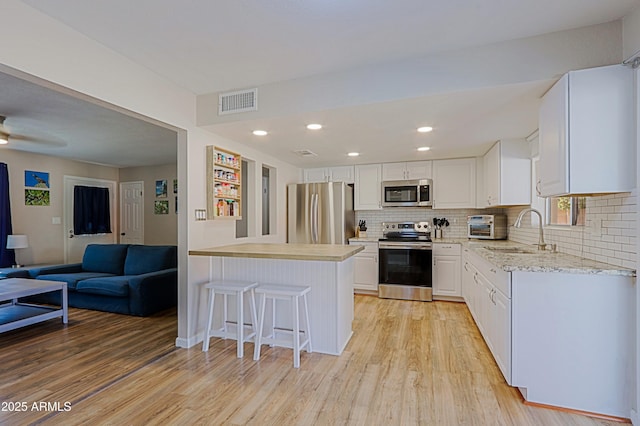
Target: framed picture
(36, 197)
(161, 207)
(161, 188)
(175, 186)
(33, 179)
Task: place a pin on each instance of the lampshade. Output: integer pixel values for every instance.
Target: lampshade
(17, 241)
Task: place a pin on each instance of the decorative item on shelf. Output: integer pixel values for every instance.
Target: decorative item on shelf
(439, 224)
(16, 242)
(224, 184)
(361, 230)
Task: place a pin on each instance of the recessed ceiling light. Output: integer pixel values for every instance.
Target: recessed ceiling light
(424, 148)
(353, 154)
(314, 126)
(260, 132)
(425, 129)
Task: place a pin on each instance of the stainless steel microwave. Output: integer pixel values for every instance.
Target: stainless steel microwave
(407, 193)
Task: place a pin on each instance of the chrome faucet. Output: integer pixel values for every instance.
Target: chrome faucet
(541, 244)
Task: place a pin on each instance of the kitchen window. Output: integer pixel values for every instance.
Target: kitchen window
(566, 211)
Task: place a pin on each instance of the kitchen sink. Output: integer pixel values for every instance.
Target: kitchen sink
(511, 250)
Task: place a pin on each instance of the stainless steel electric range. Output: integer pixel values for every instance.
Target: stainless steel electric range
(405, 252)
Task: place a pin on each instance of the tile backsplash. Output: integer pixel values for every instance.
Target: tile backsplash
(457, 218)
(609, 235)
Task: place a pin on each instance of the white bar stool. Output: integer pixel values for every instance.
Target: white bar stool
(231, 288)
(292, 294)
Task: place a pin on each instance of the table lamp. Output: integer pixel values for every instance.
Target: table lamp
(17, 242)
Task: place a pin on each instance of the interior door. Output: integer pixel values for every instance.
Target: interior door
(132, 212)
(75, 244)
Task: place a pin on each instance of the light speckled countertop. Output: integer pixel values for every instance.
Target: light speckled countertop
(326, 252)
(539, 261)
(366, 240)
(532, 261)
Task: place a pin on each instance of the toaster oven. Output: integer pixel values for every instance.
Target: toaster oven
(487, 227)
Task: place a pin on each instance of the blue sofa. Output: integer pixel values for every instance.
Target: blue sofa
(126, 279)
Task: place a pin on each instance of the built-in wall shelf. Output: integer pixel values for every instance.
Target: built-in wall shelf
(224, 184)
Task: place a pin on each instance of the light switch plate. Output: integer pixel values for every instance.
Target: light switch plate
(56, 220)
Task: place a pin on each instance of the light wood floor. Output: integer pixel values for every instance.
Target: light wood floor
(407, 363)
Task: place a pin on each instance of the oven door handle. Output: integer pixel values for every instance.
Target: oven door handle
(388, 246)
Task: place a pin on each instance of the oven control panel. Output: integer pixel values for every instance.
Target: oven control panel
(406, 227)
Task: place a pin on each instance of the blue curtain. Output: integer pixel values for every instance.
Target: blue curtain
(7, 257)
(91, 212)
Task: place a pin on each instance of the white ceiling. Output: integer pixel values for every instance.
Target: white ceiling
(213, 46)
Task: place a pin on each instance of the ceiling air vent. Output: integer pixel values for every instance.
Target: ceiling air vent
(238, 101)
(305, 153)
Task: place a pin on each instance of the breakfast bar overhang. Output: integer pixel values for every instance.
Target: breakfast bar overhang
(326, 268)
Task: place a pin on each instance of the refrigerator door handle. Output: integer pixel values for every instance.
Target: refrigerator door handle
(314, 218)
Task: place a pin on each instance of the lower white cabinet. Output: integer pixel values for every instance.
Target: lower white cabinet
(365, 266)
(490, 307)
(446, 270)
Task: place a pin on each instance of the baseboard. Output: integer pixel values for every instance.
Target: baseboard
(189, 342)
(581, 412)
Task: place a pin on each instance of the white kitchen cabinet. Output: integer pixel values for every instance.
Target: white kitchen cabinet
(446, 271)
(365, 264)
(411, 170)
(488, 291)
(367, 188)
(507, 174)
(329, 174)
(454, 183)
(586, 132)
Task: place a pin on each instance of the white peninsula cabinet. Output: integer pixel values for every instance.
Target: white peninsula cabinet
(411, 170)
(330, 174)
(507, 173)
(564, 339)
(587, 133)
(446, 271)
(454, 183)
(365, 268)
(367, 187)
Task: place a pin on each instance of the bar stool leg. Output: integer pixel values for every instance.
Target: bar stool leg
(307, 329)
(224, 316)
(254, 316)
(205, 343)
(258, 339)
(296, 332)
(240, 323)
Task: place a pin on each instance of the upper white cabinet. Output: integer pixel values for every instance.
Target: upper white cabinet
(507, 174)
(454, 183)
(407, 171)
(329, 174)
(367, 188)
(587, 133)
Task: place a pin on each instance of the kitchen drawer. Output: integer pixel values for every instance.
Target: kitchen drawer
(444, 249)
(499, 278)
(369, 247)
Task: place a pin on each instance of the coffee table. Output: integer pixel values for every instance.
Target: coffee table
(14, 314)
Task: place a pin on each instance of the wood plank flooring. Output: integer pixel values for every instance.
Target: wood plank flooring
(408, 363)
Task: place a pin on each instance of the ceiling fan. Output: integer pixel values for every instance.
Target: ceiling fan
(7, 136)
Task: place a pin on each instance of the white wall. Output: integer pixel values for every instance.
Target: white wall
(46, 239)
(43, 47)
(631, 44)
(159, 229)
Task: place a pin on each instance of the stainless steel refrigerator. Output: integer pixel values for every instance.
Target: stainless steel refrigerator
(320, 213)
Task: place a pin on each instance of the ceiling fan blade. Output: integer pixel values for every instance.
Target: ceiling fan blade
(19, 140)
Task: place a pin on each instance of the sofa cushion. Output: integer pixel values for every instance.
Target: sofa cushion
(108, 286)
(72, 279)
(107, 258)
(144, 259)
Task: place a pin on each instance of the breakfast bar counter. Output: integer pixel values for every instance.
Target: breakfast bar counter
(326, 268)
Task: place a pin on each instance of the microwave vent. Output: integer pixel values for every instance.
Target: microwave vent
(238, 101)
